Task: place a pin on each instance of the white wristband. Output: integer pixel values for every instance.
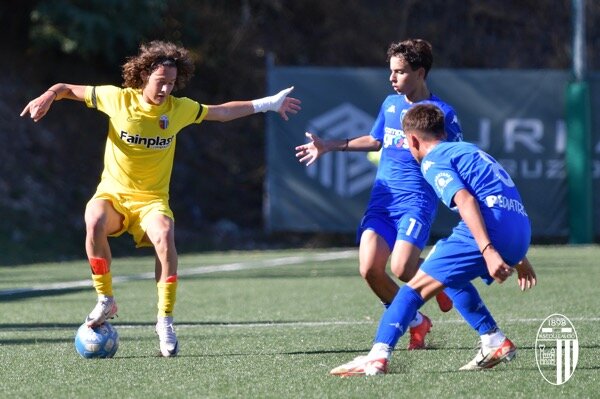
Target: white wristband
(271, 103)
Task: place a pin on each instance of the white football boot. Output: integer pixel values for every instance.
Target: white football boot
(488, 357)
(106, 308)
(361, 366)
(169, 346)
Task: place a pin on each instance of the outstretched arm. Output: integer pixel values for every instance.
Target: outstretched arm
(309, 152)
(471, 214)
(279, 103)
(38, 107)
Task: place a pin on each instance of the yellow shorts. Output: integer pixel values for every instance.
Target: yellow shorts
(135, 209)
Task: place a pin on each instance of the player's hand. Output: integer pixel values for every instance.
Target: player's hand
(279, 103)
(285, 104)
(496, 266)
(526, 277)
(308, 153)
(38, 107)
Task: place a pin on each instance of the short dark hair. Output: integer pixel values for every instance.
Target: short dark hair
(416, 52)
(427, 119)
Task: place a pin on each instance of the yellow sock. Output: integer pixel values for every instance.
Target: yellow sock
(103, 283)
(166, 296)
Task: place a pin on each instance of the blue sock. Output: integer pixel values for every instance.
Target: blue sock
(471, 307)
(396, 318)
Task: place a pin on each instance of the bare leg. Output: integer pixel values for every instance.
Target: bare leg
(101, 219)
(425, 285)
(161, 233)
(405, 260)
(373, 256)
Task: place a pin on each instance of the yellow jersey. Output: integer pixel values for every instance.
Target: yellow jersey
(140, 147)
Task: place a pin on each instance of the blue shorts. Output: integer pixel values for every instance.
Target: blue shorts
(456, 260)
(410, 227)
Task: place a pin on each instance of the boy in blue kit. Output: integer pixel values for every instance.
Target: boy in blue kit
(489, 242)
(402, 206)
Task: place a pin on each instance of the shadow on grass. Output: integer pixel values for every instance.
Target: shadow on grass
(253, 354)
(28, 293)
(276, 273)
(37, 326)
(17, 294)
(150, 324)
(34, 341)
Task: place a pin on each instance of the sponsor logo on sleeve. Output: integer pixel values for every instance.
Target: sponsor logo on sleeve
(441, 180)
(426, 165)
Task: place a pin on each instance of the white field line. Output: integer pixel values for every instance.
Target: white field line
(258, 264)
(229, 267)
(268, 324)
(293, 324)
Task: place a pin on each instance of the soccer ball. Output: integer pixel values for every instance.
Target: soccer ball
(97, 342)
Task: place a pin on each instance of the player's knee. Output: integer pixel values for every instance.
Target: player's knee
(398, 270)
(162, 239)
(101, 219)
(95, 225)
(404, 271)
(371, 272)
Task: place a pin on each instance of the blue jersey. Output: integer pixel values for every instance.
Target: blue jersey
(450, 167)
(399, 183)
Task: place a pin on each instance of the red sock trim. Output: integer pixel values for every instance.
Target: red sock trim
(171, 279)
(99, 266)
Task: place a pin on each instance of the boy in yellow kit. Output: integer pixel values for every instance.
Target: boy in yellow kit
(133, 194)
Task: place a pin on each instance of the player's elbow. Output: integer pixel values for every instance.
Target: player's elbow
(218, 114)
(222, 116)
